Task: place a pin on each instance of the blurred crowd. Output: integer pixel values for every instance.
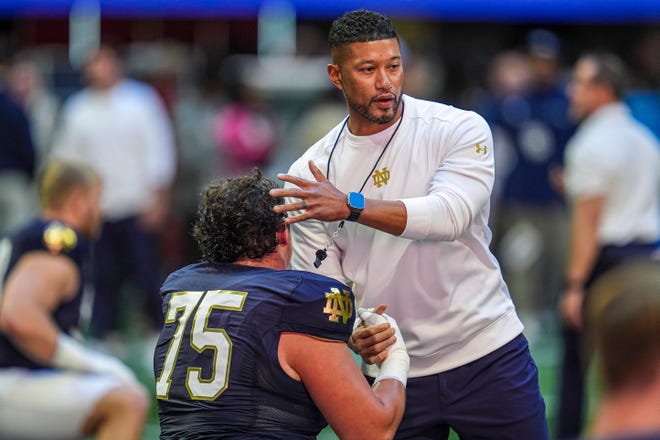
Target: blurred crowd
(160, 121)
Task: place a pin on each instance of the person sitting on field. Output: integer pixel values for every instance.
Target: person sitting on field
(51, 385)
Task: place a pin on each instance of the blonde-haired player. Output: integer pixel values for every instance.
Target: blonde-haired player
(51, 385)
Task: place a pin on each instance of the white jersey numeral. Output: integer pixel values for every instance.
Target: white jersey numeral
(202, 338)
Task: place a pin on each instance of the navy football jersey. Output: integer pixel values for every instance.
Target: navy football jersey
(48, 236)
(217, 370)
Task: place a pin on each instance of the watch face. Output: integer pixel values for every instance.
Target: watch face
(356, 200)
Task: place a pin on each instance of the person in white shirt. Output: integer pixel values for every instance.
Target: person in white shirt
(612, 180)
(395, 200)
(121, 128)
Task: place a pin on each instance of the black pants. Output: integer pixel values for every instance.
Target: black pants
(125, 253)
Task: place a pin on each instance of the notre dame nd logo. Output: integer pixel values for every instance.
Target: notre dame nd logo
(338, 305)
(59, 238)
(381, 177)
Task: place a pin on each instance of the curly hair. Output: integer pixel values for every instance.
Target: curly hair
(235, 219)
(359, 27)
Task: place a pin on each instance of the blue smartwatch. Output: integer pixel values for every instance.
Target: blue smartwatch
(355, 202)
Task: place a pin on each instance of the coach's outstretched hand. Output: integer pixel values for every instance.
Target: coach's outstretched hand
(320, 199)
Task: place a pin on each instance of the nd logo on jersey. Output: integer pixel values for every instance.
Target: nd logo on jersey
(338, 305)
(381, 177)
(59, 238)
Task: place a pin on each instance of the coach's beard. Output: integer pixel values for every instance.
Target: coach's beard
(366, 114)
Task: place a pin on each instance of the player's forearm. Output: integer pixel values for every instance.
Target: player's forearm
(380, 418)
(33, 334)
(389, 385)
(391, 393)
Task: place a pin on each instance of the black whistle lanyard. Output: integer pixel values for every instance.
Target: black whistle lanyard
(322, 254)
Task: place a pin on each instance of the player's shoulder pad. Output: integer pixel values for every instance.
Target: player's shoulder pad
(59, 238)
(320, 306)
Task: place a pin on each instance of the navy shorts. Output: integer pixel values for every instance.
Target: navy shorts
(496, 397)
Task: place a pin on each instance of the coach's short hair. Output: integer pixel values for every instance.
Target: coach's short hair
(60, 178)
(235, 219)
(359, 27)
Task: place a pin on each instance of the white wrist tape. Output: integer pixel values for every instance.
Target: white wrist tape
(397, 363)
(370, 370)
(368, 317)
(72, 355)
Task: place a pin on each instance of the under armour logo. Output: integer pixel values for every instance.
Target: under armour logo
(381, 177)
(481, 149)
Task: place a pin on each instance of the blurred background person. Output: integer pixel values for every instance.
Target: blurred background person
(508, 80)
(121, 128)
(244, 130)
(612, 181)
(530, 120)
(27, 85)
(199, 99)
(17, 160)
(321, 115)
(51, 385)
(624, 330)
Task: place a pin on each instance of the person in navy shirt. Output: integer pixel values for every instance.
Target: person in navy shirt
(253, 350)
